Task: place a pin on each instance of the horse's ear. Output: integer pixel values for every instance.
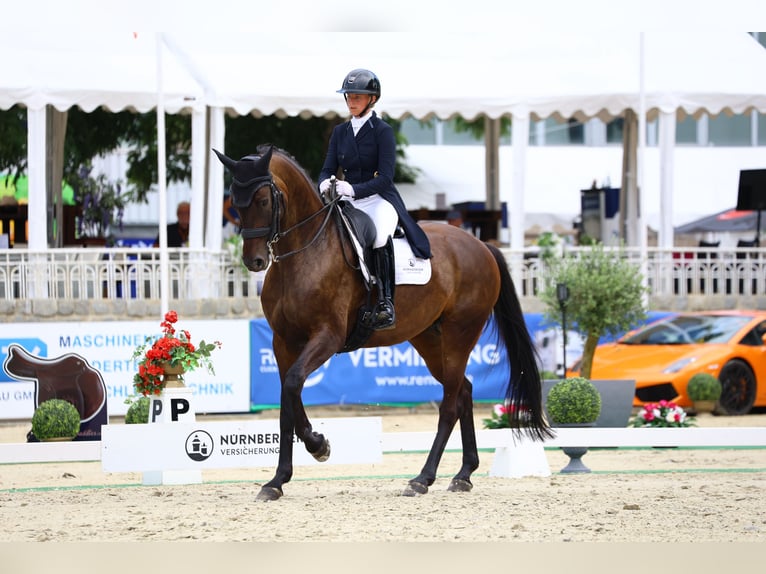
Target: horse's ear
(226, 161)
(266, 159)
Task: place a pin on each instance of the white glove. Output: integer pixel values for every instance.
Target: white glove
(324, 186)
(344, 189)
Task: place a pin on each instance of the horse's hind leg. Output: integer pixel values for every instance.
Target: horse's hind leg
(449, 369)
(461, 482)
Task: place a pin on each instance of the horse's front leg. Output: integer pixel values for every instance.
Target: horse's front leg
(293, 420)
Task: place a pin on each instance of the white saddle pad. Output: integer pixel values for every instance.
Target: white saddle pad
(410, 270)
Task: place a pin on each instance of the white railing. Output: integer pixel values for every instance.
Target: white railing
(131, 273)
(122, 273)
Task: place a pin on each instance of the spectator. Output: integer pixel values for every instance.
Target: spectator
(455, 218)
(178, 233)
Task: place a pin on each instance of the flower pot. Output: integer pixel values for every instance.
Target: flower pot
(575, 453)
(702, 407)
(173, 375)
(58, 439)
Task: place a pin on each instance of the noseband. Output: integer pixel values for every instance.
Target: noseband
(242, 199)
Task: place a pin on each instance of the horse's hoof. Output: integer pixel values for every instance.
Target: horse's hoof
(323, 453)
(269, 493)
(415, 489)
(460, 485)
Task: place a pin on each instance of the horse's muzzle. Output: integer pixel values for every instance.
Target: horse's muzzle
(254, 263)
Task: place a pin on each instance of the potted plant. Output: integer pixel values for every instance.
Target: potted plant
(574, 402)
(661, 414)
(169, 356)
(100, 204)
(138, 411)
(55, 419)
(504, 415)
(704, 389)
(605, 296)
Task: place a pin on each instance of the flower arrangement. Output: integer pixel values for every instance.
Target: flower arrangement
(503, 415)
(662, 414)
(175, 349)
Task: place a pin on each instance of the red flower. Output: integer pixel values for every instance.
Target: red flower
(169, 348)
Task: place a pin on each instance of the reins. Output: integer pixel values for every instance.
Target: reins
(273, 230)
(277, 235)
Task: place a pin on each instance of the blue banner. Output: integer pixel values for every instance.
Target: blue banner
(397, 374)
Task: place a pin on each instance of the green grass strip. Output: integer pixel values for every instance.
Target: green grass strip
(386, 477)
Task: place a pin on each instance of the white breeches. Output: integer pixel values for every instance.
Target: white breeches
(383, 215)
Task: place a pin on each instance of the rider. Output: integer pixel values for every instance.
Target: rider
(365, 148)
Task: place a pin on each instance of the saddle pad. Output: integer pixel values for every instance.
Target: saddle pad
(410, 270)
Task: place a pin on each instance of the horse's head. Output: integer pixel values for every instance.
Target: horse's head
(258, 202)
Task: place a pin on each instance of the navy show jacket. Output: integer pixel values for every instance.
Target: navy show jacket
(367, 162)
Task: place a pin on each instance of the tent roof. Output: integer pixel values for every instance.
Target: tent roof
(562, 75)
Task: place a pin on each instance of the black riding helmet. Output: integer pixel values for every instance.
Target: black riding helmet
(361, 81)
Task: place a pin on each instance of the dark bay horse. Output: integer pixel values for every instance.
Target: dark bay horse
(311, 296)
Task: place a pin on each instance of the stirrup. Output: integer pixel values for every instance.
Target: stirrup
(384, 317)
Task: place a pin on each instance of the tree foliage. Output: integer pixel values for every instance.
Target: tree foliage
(606, 293)
(100, 132)
(13, 140)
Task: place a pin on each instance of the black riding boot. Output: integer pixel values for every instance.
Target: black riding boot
(383, 259)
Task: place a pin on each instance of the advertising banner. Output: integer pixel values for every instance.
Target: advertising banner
(378, 375)
(233, 444)
(397, 374)
(108, 347)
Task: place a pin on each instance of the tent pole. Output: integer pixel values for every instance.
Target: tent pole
(162, 187)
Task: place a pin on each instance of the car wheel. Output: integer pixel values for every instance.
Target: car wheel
(738, 393)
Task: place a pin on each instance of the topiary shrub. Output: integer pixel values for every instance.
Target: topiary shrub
(704, 387)
(55, 418)
(138, 412)
(574, 401)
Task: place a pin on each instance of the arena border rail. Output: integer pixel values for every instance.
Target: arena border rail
(401, 442)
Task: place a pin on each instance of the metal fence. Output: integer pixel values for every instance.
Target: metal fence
(87, 274)
(130, 273)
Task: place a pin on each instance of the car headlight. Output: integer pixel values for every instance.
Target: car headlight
(678, 365)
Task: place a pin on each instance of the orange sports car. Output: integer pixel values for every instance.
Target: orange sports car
(662, 356)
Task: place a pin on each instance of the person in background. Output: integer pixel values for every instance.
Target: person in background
(364, 147)
(455, 218)
(178, 232)
(230, 219)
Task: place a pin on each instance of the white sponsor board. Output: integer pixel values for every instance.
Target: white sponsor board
(232, 444)
(108, 347)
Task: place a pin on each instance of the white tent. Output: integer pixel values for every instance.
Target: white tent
(527, 75)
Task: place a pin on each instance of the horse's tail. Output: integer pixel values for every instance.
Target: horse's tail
(524, 392)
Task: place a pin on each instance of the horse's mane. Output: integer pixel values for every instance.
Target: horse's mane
(287, 156)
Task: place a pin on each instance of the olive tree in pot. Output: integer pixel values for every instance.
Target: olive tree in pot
(704, 389)
(574, 402)
(55, 419)
(605, 296)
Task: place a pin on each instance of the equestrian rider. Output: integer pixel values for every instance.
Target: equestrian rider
(364, 147)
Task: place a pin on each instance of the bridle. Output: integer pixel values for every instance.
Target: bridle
(273, 232)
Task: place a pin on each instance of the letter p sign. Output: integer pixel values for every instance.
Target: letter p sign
(167, 408)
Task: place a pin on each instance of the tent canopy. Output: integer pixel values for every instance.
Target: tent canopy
(727, 221)
(525, 74)
(579, 75)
